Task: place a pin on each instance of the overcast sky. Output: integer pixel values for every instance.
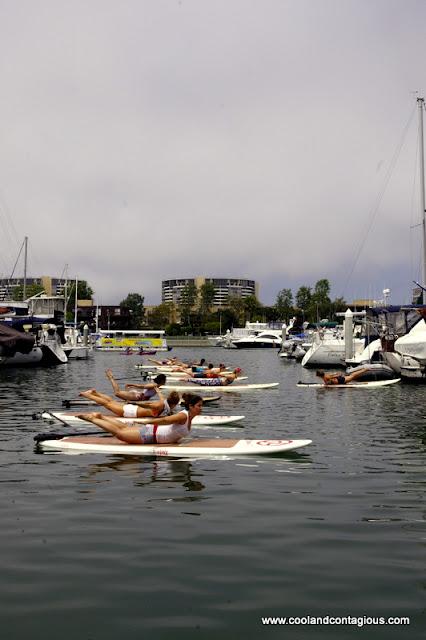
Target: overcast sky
(142, 140)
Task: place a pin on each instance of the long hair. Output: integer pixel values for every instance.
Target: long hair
(160, 379)
(173, 398)
(190, 399)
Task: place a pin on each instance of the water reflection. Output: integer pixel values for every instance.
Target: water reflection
(146, 472)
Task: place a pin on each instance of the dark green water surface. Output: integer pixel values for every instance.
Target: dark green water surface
(101, 547)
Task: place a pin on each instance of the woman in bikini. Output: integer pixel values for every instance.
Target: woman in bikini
(136, 409)
(133, 392)
(339, 378)
(166, 430)
(222, 380)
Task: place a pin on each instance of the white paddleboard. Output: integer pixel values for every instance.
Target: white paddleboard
(71, 418)
(196, 388)
(372, 384)
(196, 447)
(85, 403)
(179, 374)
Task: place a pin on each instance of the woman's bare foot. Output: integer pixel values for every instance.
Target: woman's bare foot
(89, 416)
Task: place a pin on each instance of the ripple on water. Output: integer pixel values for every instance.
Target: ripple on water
(210, 546)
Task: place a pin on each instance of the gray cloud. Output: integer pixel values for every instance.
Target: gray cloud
(143, 140)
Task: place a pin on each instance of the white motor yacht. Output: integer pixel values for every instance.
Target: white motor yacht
(271, 338)
(408, 357)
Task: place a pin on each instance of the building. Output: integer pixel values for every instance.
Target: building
(51, 286)
(171, 290)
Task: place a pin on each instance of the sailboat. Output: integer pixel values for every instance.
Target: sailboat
(76, 346)
(28, 332)
(407, 354)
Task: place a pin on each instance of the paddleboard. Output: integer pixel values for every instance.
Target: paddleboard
(180, 377)
(196, 447)
(195, 388)
(85, 403)
(164, 369)
(351, 385)
(173, 374)
(71, 418)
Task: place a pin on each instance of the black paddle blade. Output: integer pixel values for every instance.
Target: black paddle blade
(40, 437)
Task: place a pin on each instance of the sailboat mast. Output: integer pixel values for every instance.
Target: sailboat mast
(24, 290)
(420, 104)
(75, 302)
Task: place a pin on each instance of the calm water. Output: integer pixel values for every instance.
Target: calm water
(97, 547)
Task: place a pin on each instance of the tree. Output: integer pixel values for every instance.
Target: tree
(236, 305)
(135, 303)
(284, 304)
(161, 315)
(188, 300)
(320, 301)
(303, 299)
(84, 291)
(207, 293)
(31, 290)
(251, 306)
(338, 304)
(226, 319)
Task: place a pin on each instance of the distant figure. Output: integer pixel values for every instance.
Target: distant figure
(340, 378)
(221, 381)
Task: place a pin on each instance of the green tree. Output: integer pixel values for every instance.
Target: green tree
(226, 318)
(207, 293)
(320, 301)
(161, 315)
(338, 304)
(31, 290)
(84, 291)
(135, 302)
(188, 300)
(236, 305)
(270, 314)
(303, 300)
(284, 304)
(251, 307)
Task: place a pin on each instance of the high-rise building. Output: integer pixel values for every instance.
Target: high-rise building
(171, 290)
(51, 286)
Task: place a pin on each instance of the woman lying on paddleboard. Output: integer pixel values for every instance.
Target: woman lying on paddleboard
(167, 430)
(222, 381)
(144, 409)
(137, 392)
(199, 372)
(340, 378)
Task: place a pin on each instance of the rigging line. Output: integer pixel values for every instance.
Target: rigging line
(376, 207)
